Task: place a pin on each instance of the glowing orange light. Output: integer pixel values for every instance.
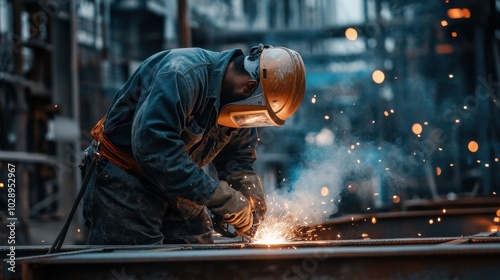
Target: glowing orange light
(498, 212)
(1, 185)
(496, 219)
(374, 220)
(438, 171)
(416, 128)
(444, 49)
(454, 34)
(378, 76)
(325, 191)
(456, 13)
(396, 199)
(386, 113)
(473, 146)
(351, 34)
(78, 230)
(431, 221)
(444, 210)
(444, 23)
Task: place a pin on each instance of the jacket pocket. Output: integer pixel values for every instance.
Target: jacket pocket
(192, 134)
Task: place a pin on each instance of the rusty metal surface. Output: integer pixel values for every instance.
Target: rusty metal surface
(473, 257)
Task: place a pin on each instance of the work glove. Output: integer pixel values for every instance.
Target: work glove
(250, 185)
(233, 207)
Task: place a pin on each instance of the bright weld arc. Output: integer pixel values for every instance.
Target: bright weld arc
(275, 230)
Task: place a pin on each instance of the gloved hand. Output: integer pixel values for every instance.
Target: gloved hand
(250, 185)
(233, 207)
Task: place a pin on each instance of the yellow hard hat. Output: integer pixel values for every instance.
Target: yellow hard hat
(281, 75)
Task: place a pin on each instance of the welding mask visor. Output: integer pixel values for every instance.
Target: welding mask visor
(250, 112)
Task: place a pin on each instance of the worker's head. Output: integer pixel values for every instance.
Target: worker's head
(238, 84)
(263, 88)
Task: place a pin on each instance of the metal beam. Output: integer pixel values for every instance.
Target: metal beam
(442, 260)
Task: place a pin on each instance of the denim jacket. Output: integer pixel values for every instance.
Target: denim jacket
(165, 115)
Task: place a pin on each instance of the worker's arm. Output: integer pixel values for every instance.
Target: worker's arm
(234, 164)
(239, 154)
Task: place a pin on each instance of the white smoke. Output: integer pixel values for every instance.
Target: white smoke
(313, 195)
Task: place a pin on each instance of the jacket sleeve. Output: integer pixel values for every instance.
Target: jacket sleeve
(238, 155)
(156, 144)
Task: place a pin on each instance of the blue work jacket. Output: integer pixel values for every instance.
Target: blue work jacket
(165, 115)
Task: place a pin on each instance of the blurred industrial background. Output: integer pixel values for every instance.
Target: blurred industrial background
(401, 106)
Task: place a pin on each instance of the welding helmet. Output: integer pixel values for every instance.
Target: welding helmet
(281, 86)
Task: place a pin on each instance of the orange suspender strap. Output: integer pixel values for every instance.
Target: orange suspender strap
(112, 153)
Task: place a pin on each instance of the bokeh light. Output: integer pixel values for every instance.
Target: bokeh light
(378, 76)
(473, 146)
(417, 128)
(351, 34)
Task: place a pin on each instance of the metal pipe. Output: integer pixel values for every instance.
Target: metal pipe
(184, 28)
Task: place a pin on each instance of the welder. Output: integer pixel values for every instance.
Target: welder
(181, 110)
